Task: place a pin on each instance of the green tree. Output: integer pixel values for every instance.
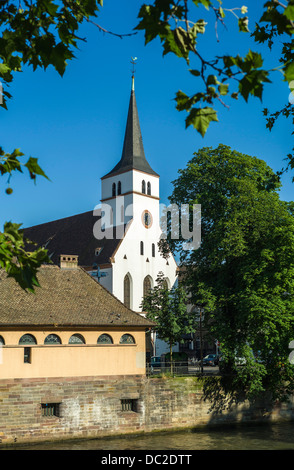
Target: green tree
(243, 271)
(168, 308)
(182, 26)
(40, 34)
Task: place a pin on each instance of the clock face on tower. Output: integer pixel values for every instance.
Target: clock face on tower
(146, 219)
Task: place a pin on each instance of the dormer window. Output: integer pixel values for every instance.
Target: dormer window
(98, 250)
(113, 189)
(143, 187)
(149, 188)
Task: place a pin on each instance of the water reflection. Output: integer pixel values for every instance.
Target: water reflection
(269, 437)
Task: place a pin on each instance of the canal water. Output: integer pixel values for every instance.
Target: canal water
(262, 437)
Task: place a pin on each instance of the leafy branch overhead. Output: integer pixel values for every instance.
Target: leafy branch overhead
(178, 26)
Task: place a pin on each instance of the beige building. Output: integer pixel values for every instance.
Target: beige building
(71, 327)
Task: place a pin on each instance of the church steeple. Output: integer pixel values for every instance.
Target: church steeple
(133, 155)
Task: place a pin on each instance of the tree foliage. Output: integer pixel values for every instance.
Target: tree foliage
(179, 24)
(243, 271)
(168, 308)
(40, 34)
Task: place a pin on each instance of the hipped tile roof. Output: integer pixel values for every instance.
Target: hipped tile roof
(66, 298)
(73, 236)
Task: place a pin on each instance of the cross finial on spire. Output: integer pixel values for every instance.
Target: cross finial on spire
(133, 62)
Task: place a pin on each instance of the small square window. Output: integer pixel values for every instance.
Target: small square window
(128, 404)
(50, 409)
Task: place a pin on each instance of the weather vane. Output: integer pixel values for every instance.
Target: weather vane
(133, 62)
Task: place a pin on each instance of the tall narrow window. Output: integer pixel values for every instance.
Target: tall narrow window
(127, 291)
(143, 187)
(141, 248)
(146, 285)
(113, 189)
(119, 187)
(149, 188)
(153, 250)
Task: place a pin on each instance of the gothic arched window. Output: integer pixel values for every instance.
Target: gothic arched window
(127, 291)
(113, 189)
(119, 187)
(147, 285)
(149, 188)
(143, 187)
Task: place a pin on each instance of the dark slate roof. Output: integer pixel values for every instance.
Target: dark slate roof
(73, 236)
(65, 298)
(133, 155)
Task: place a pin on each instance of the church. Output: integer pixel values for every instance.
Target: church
(117, 242)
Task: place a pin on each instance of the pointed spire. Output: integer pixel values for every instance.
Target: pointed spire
(133, 155)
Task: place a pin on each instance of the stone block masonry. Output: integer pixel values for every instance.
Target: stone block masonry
(35, 410)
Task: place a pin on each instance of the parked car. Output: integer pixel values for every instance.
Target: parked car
(210, 360)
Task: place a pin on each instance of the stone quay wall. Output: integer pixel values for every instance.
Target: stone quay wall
(107, 406)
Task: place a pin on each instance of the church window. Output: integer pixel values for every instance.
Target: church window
(77, 339)
(104, 339)
(141, 248)
(113, 189)
(127, 339)
(147, 285)
(149, 188)
(153, 250)
(52, 339)
(119, 187)
(165, 284)
(143, 187)
(127, 291)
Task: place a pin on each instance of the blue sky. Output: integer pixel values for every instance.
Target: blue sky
(75, 125)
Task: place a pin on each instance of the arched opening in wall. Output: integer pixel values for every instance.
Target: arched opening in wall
(166, 283)
(119, 187)
(149, 188)
(52, 339)
(127, 290)
(113, 189)
(127, 339)
(153, 250)
(143, 187)
(105, 339)
(2, 342)
(147, 285)
(141, 248)
(27, 339)
(77, 339)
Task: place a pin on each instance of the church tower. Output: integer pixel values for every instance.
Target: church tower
(130, 197)
(132, 186)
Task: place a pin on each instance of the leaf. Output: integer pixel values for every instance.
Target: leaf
(289, 72)
(34, 168)
(200, 118)
(243, 24)
(289, 11)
